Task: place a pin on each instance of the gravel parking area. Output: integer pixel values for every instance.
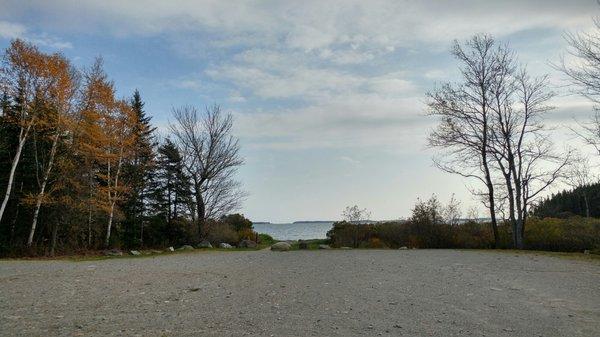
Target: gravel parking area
(304, 293)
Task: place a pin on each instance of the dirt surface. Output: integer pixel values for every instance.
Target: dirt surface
(303, 293)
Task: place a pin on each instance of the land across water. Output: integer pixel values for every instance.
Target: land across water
(303, 293)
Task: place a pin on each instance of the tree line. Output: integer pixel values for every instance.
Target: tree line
(491, 128)
(81, 168)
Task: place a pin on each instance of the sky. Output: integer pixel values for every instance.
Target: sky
(328, 96)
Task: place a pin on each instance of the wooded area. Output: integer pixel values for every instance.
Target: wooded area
(84, 169)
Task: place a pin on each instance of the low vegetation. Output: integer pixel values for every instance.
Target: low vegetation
(428, 229)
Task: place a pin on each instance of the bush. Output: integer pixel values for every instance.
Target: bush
(573, 234)
(237, 221)
(265, 239)
(566, 235)
(220, 232)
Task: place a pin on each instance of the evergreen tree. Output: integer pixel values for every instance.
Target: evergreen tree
(138, 173)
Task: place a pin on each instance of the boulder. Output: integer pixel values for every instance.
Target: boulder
(171, 249)
(204, 244)
(324, 247)
(113, 252)
(135, 252)
(225, 245)
(302, 244)
(185, 247)
(247, 244)
(403, 248)
(281, 247)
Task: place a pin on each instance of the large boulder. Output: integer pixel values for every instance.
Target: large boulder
(302, 244)
(324, 247)
(185, 247)
(281, 247)
(204, 244)
(113, 252)
(225, 245)
(247, 244)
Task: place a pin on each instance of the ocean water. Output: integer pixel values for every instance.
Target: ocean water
(295, 231)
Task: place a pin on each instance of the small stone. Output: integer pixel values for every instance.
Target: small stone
(403, 248)
(135, 253)
(171, 249)
(113, 252)
(247, 244)
(204, 244)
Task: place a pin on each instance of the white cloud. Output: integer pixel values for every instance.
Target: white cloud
(10, 30)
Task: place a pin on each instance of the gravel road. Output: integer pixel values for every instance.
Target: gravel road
(304, 293)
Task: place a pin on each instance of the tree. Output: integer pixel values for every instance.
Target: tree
(357, 216)
(24, 75)
(465, 117)
(521, 145)
(60, 103)
(138, 171)
(211, 158)
(171, 191)
(118, 124)
(578, 176)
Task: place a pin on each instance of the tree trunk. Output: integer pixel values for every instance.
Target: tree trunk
(109, 226)
(587, 205)
(492, 204)
(22, 138)
(40, 196)
(54, 236)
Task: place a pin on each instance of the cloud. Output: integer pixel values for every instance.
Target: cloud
(10, 30)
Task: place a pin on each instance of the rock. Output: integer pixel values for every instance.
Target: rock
(204, 244)
(247, 244)
(302, 244)
(403, 248)
(135, 252)
(346, 248)
(171, 249)
(113, 252)
(185, 247)
(281, 247)
(225, 245)
(586, 252)
(324, 247)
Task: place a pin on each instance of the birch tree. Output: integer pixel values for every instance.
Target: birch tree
(23, 74)
(60, 100)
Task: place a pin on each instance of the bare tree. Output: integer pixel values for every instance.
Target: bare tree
(452, 211)
(357, 216)
(465, 117)
(520, 144)
(579, 175)
(211, 156)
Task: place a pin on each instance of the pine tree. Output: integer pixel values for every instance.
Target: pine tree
(138, 172)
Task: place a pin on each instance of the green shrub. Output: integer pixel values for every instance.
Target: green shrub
(265, 239)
